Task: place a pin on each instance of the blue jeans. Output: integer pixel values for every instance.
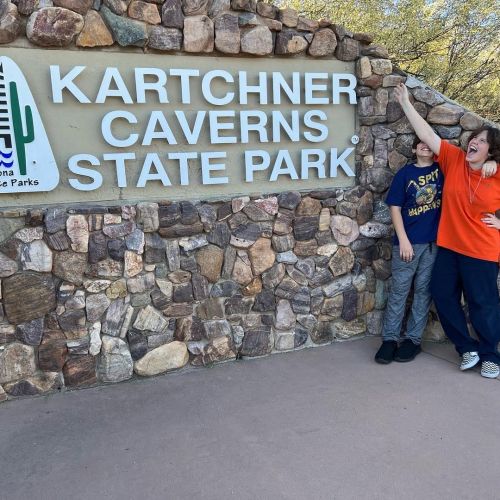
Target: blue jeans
(456, 274)
(403, 275)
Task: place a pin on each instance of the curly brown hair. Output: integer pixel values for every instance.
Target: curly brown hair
(493, 138)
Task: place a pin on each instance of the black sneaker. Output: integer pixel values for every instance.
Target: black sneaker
(406, 351)
(386, 352)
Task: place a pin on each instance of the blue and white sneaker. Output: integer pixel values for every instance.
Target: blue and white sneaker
(490, 369)
(469, 360)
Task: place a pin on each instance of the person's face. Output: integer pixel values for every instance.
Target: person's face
(423, 151)
(478, 148)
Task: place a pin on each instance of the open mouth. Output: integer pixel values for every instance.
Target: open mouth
(472, 149)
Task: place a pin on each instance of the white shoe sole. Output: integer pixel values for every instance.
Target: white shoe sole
(470, 365)
(490, 375)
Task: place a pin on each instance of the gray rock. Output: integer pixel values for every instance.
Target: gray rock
(115, 362)
(257, 341)
(172, 15)
(125, 31)
(30, 332)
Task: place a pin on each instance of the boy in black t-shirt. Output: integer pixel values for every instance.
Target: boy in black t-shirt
(415, 200)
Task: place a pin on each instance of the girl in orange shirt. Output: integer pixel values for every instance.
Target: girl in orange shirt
(468, 241)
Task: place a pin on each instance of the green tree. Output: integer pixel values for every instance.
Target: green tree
(452, 45)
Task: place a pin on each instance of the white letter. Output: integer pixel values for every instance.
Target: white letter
(279, 83)
(87, 172)
(185, 75)
(251, 167)
(310, 87)
(159, 85)
(112, 74)
(207, 91)
(183, 164)
(106, 129)
(340, 162)
(259, 127)
(119, 159)
(337, 89)
(246, 89)
(157, 117)
(308, 122)
(283, 155)
(146, 174)
(59, 84)
(280, 122)
(207, 168)
(193, 135)
(306, 163)
(216, 127)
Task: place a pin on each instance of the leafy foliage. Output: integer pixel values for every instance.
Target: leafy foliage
(452, 45)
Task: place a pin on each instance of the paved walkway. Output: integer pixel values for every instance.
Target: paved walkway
(324, 423)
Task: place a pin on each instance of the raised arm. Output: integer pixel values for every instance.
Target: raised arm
(421, 127)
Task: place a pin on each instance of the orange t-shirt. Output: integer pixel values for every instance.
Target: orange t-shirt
(465, 201)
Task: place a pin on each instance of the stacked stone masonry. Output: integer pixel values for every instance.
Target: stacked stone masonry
(97, 294)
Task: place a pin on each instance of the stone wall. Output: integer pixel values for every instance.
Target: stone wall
(94, 294)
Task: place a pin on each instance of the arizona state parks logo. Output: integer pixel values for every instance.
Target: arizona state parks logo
(27, 163)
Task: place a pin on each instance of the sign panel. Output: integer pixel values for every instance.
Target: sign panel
(108, 127)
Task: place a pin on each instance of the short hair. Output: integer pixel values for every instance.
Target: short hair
(493, 138)
(416, 142)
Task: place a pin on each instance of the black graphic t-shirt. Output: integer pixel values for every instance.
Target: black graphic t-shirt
(418, 191)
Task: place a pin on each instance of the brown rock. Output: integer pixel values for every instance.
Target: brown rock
(70, 266)
(290, 42)
(305, 248)
(242, 271)
(80, 6)
(210, 259)
(144, 11)
(257, 41)
(52, 355)
(253, 288)
(381, 66)
(247, 5)
(80, 371)
(344, 229)
(16, 361)
(227, 34)
(272, 24)
(324, 43)
(28, 296)
(471, 121)
(78, 231)
(309, 206)
(195, 7)
(94, 32)
(342, 261)
(261, 255)
(347, 49)
(198, 34)
(305, 24)
(10, 24)
(267, 10)
(53, 27)
(375, 51)
(289, 17)
(445, 114)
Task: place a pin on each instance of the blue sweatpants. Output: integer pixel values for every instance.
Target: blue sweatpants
(454, 274)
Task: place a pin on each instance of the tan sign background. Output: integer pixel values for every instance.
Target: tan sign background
(75, 128)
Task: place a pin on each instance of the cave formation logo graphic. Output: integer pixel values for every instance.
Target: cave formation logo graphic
(27, 163)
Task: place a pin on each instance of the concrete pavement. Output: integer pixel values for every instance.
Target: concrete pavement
(324, 423)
